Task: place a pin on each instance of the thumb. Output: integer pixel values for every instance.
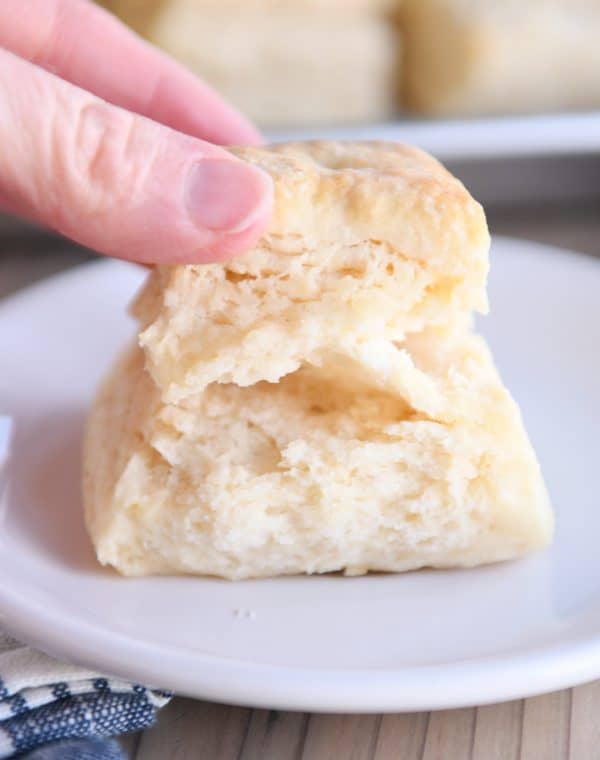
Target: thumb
(117, 182)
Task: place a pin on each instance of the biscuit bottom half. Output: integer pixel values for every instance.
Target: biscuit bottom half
(309, 475)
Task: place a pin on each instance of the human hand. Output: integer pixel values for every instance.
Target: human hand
(103, 139)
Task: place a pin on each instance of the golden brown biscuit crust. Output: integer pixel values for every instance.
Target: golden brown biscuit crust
(350, 192)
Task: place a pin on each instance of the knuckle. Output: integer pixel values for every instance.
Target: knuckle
(106, 159)
(100, 139)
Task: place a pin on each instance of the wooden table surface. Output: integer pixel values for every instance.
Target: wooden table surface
(556, 726)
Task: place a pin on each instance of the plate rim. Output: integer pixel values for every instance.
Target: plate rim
(463, 683)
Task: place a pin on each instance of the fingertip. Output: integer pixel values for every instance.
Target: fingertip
(220, 249)
(237, 129)
(226, 195)
(230, 246)
(250, 135)
(205, 245)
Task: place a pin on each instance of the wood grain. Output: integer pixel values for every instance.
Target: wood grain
(546, 722)
(190, 730)
(498, 732)
(401, 736)
(449, 734)
(559, 726)
(340, 737)
(274, 736)
(584, 738)
(129, 744)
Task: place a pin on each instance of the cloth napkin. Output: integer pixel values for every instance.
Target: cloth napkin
(63, 712)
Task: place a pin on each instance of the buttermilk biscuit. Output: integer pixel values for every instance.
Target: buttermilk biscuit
(482, 56)
(345, 7)
(306, 476)
(369, 242)
(287, 66)
(320, 403)
(137, 12)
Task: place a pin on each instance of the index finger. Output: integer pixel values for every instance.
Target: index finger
(88, 47)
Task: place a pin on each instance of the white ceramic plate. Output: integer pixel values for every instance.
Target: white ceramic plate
(379, 643)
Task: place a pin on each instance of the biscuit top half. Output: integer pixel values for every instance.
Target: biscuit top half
(344, 193)
(369, 243)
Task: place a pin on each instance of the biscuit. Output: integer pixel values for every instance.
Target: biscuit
(367, 239)
(344, 7)
(287, 67)
(137, 13)
(303, 476)
(320, 403)
(479, 57)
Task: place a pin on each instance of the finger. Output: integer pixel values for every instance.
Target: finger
(120, 183)
(85, 45)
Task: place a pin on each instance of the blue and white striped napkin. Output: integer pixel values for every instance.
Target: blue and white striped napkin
(43, 701)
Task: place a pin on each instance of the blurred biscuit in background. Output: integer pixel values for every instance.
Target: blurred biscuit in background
(287, 68)
(283, 63)
(278, 6)
(295, 63)
(492, 57)
(138, 14)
